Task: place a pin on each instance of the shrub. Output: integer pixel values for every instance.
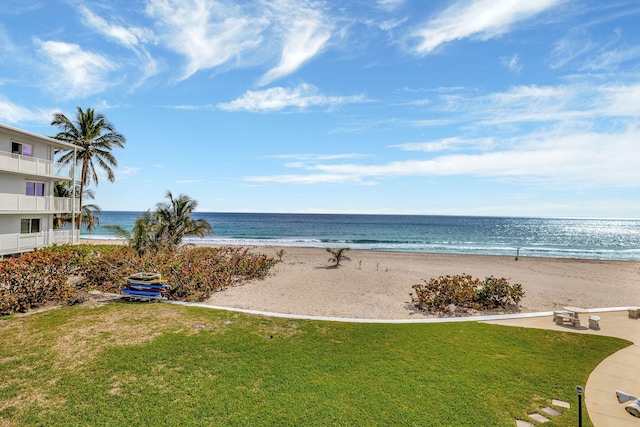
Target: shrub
(197, 272)
(35, 278)
(466, 292)
(193, 273)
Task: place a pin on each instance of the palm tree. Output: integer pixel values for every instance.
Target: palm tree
(175, 222)
(166, 227)
(95, 137)
(143, 237)
(338, 255)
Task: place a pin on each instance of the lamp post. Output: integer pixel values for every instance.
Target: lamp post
(579, 390)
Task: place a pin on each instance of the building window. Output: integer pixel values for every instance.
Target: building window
(30, 225)
(35, 188)
(24, 149)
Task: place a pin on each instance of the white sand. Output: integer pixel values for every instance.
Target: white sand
(378, 284)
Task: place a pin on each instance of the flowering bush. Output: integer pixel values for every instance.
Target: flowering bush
(466, 292)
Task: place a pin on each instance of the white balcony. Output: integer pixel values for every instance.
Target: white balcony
(32, 166)
(16, 243)
(19, 203)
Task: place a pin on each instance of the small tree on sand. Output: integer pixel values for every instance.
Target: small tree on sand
(338, 255)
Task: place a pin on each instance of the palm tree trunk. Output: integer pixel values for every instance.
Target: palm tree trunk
(83, 179)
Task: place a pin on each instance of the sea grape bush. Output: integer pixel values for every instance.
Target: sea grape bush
(193, 273)
(35, 278)
(196, 272)
(466, 292)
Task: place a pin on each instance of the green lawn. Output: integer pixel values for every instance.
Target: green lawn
(136, 364)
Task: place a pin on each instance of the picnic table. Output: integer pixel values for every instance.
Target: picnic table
(570, 315)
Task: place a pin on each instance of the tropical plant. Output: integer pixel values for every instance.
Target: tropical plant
(164, 229)
(95, 137)
(338, 255)
(175, 222)
(465, 292)
(143, 237)
(280, 253)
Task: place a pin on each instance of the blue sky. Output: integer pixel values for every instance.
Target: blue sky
(475, 107)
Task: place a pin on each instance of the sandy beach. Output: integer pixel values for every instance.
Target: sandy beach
(377, 284)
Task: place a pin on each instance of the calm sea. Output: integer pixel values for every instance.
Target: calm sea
(538, 237)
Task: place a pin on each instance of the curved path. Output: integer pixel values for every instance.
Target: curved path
(620, 371)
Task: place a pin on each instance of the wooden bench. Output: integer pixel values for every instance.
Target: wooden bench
(562, 317)
(634, 312)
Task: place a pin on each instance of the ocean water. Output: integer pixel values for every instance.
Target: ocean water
(612, 239)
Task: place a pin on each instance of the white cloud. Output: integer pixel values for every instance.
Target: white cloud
(610, 59)
(315, 157)
(224, 34)
(390, 5)
(302, 30)
(481, 19)
(572, 159)
(189, 181)
(305, 40)
(570, 48)
(445, 144)
(279, 98)
(74, 72)
(304, 179)
(12, 113)
(512, 63)
(208, 33)
(562, 160)
(129, 37)
(133, 38)
(566, 104)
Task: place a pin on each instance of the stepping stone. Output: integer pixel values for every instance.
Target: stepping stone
(551, 411)
(520, 423)
(560, 403)
(539, 418)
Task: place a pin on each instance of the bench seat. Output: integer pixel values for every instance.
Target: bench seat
(561, 317)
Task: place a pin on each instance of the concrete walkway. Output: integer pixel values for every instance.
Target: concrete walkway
(620, 371)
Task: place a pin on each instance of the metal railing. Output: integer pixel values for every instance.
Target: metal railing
(17, 242)
(16, 203)
(32, 165)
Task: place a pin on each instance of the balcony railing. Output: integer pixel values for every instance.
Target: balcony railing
(32, 165)
(17, 203)
(16, 243)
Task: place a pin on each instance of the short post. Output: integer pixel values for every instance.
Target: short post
(517, 253)
(580, 390)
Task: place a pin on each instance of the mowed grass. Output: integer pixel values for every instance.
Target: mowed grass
(137, 364)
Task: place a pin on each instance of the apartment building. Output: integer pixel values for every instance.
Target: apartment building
(28, 174)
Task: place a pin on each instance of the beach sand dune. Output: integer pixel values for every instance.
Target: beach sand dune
(378, 284)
